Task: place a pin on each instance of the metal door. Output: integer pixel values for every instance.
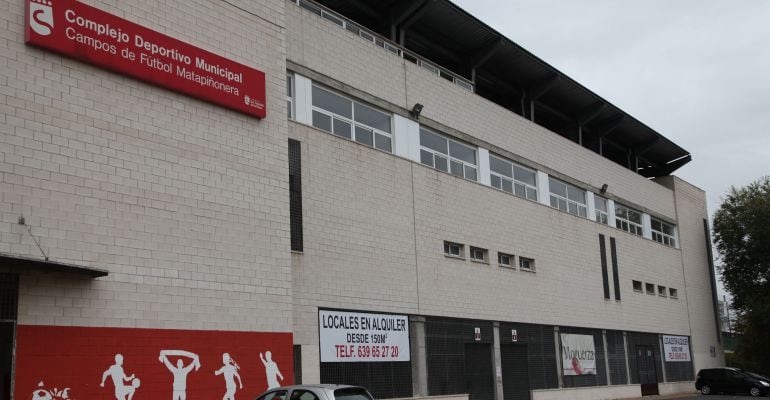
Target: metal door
(6, 358)
(513, 358)
(478, 371)
(645, 362)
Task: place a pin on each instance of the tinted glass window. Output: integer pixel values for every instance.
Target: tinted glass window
(276, 395)
(524, 175)
(373, 118)
(303, 395)
(433, 141)
(461, 152)
(500, 166)
(331, 102)
(576, 194)
(557, 187)
(352, 394)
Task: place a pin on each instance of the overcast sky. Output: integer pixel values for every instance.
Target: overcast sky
(697, 71)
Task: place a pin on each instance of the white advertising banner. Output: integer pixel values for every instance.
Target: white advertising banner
(351, 336)
(676, 348)
(578, 354)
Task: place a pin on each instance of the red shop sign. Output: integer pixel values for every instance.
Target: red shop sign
(97, 37)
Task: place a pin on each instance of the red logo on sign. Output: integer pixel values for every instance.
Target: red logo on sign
(97, 37)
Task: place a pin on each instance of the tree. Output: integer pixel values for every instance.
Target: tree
(742, 238)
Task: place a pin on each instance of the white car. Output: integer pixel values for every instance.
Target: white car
(316, 392)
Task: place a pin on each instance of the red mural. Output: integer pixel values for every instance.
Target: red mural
(55, 362)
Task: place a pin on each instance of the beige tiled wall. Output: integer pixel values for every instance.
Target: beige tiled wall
(183, 202)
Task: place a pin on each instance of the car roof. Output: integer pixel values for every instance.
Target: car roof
(330, 386)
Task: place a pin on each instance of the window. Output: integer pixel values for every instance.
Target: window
(505, 260)
(276, 395)
(295, 195)
(673, 293)
(352, 393)
(527, 264)
(479, 255)
(650, 288)
(351, 120)
(289, 96)
(567, 198)
(513, 178)
(628, 219)
(453, 250)
(661, 291)
(663, 232)
(637, 286)
(600, 206)
(447, 155)
(303, 395)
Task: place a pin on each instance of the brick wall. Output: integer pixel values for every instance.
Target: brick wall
(183, 202)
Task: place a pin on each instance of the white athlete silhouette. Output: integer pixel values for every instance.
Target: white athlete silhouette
(180, 371)
(271, 370)
(230, 370)
(122, 392)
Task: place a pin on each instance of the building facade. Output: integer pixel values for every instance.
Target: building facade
(395, 218)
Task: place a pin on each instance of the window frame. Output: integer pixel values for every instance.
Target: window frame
(673, 293)
(599, 213)
(530, 261)
(649, 288)
(620, 220)
(661, 237)
(297, 393)
(460, 250)
(555, 197)
(484, 254)
(274, 393)
(511, 260)
(290, 88)
(512, 179)
(662, 291)
(352, 120)
(448, 157)
(640, 288)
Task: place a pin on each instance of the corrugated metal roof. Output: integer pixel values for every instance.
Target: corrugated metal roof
(447, 35)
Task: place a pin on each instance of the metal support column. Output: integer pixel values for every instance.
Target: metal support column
(606, 357)
(662, 357)
(497, 361)
(628, 366)
(557, 350)
(419, 356)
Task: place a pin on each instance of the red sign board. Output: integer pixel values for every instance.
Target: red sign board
(97, 37)
(57, 362)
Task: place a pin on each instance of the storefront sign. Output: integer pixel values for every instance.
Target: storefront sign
(349, 336)
(514, 335)
(676, 348)
(58, 362)
(578, 354)
(477, 334)
(91, 35)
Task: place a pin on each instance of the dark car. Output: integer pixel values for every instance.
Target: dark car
(731, 380)
(316, 392)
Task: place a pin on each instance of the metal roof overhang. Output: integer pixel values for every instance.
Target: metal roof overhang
(514, 78)
(26, 264)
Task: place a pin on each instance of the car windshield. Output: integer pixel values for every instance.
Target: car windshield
(352, 394)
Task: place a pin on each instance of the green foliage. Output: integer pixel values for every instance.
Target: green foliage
(742, 237)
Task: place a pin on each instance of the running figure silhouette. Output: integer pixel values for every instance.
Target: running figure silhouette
(271, 370)
(115, 371)
(230, 371)
(179, 371)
